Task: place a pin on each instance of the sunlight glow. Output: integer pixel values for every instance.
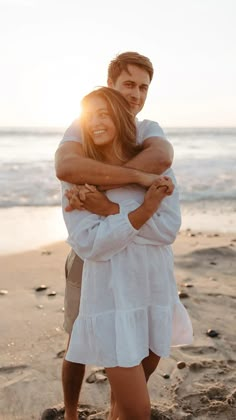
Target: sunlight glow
(54, 52)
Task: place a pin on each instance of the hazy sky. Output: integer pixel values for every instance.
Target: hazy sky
(55, 51)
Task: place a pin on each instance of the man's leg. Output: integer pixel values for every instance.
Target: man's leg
(72, 373)
(72, 379)
(150, 364)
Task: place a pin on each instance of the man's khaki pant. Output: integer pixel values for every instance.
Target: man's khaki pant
(73, 273)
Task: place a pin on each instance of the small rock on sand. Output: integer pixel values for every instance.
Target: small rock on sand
(52, 293)
(212, 333)
(96, 377)
(3, 292)
(181, 365)
(61, 354)
(41, 288)
(183, 295)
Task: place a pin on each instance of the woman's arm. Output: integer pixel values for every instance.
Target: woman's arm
(160, 229)
(98, 238)
(163, 227)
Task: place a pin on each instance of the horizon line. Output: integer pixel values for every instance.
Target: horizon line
(53, 127)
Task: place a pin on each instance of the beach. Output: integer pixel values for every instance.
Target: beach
(33, 340)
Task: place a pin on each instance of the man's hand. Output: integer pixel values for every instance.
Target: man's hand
(147, 180)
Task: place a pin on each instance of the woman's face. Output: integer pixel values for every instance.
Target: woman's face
(98, 121)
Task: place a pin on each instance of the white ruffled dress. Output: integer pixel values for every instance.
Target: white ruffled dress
(129, 299)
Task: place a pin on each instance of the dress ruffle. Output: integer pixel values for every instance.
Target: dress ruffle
(123, 338)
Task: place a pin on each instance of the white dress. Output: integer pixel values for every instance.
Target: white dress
(129, 299)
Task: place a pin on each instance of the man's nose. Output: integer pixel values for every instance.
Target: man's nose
(136, 92)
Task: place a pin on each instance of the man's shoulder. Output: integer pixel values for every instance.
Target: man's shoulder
(148, 128)
(73, 132)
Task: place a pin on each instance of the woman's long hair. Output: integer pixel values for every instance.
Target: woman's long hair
(123, 119)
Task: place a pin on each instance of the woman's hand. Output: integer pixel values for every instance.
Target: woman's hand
(160, 188)
(74, 201)
(87, 197)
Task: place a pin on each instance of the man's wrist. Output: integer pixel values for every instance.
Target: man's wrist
(140, 177)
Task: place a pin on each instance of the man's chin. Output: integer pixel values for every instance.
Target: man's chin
(135, 109)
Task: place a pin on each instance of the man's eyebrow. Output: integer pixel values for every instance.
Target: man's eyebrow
(129, 81)
(134, 83)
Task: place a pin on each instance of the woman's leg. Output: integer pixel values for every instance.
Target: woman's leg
(113, 412)
(149, 365)
(130, 392)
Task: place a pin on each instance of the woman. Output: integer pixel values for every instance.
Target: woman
(130, 313)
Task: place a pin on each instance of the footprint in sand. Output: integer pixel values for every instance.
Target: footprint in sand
(199, 349)
(10, 369)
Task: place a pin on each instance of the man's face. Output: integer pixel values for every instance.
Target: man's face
(133, 86)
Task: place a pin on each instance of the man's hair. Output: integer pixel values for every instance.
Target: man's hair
(120, 63)
(123, 119)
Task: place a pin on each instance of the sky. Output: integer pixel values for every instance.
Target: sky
(55, 51)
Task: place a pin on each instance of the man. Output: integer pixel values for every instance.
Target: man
(130, 73)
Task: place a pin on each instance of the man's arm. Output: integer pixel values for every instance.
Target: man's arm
(71, 166)
(156, 156)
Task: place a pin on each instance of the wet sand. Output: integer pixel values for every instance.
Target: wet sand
(33, 340)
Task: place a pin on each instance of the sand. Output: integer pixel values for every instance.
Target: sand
(32, 335)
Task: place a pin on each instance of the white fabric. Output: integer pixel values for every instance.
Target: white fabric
(145, 130)
(129, 301)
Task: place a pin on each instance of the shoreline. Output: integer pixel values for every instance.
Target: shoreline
(28, 228)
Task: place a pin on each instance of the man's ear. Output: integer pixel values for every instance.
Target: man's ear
(109, 83)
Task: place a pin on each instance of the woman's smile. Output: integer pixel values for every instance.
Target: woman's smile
(99, 122)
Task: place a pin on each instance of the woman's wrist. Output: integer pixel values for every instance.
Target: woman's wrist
(140, 216)
(113, 208)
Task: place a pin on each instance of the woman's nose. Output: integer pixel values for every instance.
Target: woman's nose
(93, 121)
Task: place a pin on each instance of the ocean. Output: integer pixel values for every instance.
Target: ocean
(204, 165)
